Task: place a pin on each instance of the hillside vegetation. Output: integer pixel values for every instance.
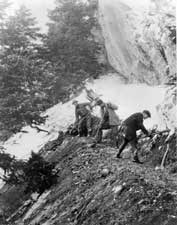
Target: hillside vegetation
(39, 70)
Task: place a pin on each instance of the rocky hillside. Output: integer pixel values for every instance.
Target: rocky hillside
(94, 187)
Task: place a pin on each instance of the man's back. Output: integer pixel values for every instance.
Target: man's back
(82, 109)
(135, 121)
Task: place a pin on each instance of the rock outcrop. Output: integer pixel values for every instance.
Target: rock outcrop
(168, 109)
(140, 42)
(141, 45)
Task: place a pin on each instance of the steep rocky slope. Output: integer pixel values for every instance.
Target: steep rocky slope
(95, 188)
(140, 41)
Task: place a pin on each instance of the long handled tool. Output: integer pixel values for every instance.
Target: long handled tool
(100, 124)
(164, 157)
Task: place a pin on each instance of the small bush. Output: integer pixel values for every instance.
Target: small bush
(36, 174)
(39, 174)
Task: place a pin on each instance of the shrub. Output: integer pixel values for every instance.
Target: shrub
(36, 174)
(39, 174)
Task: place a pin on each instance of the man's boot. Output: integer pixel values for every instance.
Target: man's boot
(136, 158)
(89, 132)
(98, 136)
(119, 155)
(119, 152)
(125, 142)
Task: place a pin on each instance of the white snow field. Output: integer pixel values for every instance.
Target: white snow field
(129, 98)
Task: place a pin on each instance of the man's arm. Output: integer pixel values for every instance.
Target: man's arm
(76, 115)
(142, 127)
(87, 105)
(102, 110)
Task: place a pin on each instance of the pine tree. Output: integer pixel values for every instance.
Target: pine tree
(70, 37)
(26, 78)
(71, 44)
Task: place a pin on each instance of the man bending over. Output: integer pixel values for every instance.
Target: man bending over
(129, 127)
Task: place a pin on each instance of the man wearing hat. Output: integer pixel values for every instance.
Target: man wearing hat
(129, 127)
(83, 114)
(109, 118)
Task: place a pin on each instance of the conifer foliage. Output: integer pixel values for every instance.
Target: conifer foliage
(39, 70)
(39, 174)
(71, 44)
(36, 174)
(25, 77)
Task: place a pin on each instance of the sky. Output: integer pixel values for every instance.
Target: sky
(39, 9)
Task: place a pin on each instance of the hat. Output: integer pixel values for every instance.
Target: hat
(74, 102)
(147, 113)
(99, 102)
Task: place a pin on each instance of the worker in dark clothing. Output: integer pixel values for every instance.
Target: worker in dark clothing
(109, 118)
(83, 114)
(129, 128)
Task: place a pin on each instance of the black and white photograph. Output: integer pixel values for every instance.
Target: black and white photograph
(88, 112)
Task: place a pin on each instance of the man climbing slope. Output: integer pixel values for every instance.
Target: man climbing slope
(109, 119)
(82, 114)
(129, 127)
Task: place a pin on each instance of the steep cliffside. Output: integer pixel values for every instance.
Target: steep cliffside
(168, 108)
(139, 38)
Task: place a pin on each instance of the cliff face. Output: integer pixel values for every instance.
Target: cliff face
(168, 108)
(139, 39)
